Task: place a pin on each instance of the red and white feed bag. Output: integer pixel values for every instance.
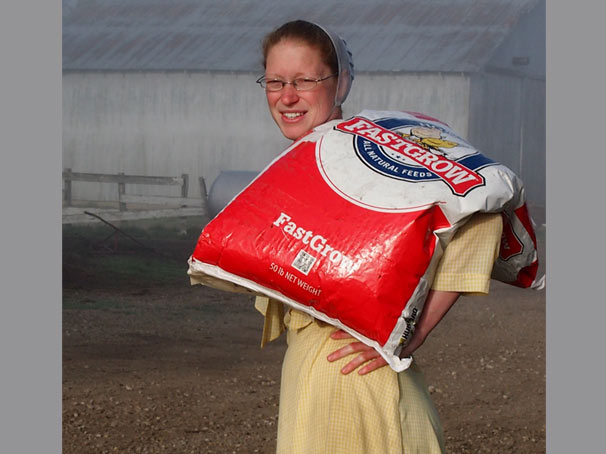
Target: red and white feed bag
(349, 223)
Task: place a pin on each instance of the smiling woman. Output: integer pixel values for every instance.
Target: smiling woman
(308, 74)
(297, 111)
(324, 407)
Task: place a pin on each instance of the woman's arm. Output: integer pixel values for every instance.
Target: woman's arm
(466, 266)
(438, 303)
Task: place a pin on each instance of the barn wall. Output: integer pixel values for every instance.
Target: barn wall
(523, 50)
(533, 150)
(442, 96)
(203, 123)
(164, 124)
(507, 123)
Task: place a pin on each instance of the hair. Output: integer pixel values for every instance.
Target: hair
(307, 32)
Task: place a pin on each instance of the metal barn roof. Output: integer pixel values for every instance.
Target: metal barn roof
(207, 35)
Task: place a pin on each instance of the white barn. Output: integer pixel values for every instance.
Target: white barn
(166, 87)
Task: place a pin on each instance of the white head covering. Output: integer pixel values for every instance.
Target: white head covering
(345, 62)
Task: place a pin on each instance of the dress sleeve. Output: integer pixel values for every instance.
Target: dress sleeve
(273, 313)
(467, 262)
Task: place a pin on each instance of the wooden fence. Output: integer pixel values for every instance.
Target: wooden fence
(131, 206)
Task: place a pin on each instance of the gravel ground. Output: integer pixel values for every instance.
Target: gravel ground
(153, 367)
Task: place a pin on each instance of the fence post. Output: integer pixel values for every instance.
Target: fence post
(185, 187)
(67, 181)
(121, 192)
(204, 196)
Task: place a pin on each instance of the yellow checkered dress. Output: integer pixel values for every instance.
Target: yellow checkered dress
(325, 412)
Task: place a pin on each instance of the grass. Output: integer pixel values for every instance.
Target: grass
(101, 304)
(128, 269)
(166, 228)
(157, 257)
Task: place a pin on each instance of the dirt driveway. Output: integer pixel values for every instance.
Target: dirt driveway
(152, 365)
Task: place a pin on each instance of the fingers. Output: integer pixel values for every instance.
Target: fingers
(366, 355)
(373, 365)
(348, 349)
(357, 362)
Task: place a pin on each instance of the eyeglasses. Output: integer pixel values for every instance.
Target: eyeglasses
(300, 84)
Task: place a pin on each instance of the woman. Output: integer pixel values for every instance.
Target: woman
(324, 408)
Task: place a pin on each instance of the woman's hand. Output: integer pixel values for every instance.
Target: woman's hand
(366, 354)
(436, 306)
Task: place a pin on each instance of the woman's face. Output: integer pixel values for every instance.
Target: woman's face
(297, 112)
